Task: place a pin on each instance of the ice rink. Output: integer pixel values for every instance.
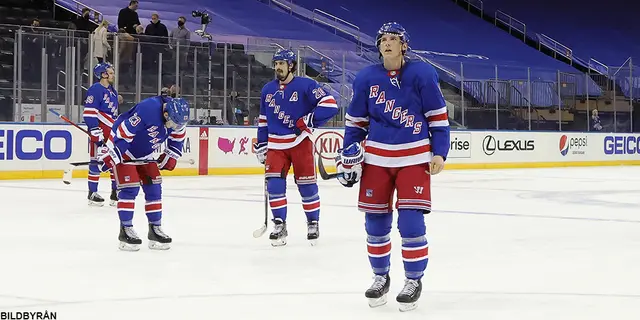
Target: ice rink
(504, 244)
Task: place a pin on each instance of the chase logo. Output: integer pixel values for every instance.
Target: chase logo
(572, 145)
(33, 145)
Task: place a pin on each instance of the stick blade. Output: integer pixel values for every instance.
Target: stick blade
(259, 232)
(67, 175)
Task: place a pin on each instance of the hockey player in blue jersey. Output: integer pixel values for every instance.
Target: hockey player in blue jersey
(100, 111)
(290, 108)
(135, 135)
(399, 109)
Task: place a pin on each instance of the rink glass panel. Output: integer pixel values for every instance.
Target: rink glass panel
(43, 67)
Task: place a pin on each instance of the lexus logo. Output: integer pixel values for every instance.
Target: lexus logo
(489, 145)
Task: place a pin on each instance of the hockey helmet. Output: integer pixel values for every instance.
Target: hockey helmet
(178, 112)
(101, 68)
(285, 55)
(392, 28)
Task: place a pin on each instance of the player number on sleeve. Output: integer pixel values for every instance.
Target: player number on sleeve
(134, 120)
(319, 93)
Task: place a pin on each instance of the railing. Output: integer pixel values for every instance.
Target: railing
(207, 74)
(78, 9)
(477, 4)
(556, 46)
(336, 19)
(281, 4)
(322, 55)
(313, 18)
(512, 23)
(597, 66)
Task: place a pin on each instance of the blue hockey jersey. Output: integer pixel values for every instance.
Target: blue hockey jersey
(100, 107)
(139, 132)
(283, 104)
(401, 114)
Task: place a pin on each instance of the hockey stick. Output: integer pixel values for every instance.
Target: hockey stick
(259, 232)
(67, 175)
(67, 120)
(323, 172)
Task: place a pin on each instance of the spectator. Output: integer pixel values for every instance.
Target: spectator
(180, 36)
(100, 44)
(84, 23)
(595, 120)
(128, 18)
(157, 29)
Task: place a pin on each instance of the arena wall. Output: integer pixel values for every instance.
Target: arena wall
(30, 151)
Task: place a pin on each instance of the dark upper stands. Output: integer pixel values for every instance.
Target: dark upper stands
(453, 37)
(592, 30)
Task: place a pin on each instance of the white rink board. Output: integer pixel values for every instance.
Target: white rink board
(37, 150)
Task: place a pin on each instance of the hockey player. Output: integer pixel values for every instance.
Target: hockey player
(399, 108)
(100, 111)
(290, 108)
(136, 134)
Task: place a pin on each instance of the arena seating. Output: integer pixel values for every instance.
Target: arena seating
(591, 31)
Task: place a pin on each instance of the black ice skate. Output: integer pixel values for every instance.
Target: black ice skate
(129, 240)
(279, 235)
(114, 198)
(158, 240)
(313, 232)
(95, 199)
(408, 297)
(377, 293)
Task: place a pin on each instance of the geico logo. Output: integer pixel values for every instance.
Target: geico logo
(457, 144)
(621, 145)
(32, 145)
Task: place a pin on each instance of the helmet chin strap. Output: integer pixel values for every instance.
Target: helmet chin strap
(286, 75)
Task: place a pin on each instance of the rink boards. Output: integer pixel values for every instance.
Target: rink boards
(29, 151)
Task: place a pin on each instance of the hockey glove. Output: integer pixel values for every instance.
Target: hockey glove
(96, 135)
(108, 158)
(261, 151)
(304, 124)
(168, 160)
(349, 164)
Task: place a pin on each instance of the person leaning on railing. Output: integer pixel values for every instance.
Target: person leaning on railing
(100, 44)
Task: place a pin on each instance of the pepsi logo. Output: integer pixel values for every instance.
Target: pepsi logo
(564, 145)
(572, 145)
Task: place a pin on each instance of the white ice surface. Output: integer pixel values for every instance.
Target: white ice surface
(504, 244)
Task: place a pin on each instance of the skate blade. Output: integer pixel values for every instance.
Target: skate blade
(278, 242)
(128, 246)
(377, 302)
(95, 204)
(155, 245)
(404, 307)
(313, 242)
(113, 203)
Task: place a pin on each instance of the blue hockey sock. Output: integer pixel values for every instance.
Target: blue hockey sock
(415, 248)
(378, 227)
(277, 189)
(94, 177)
(113, 181)
(310, 201)
(153, 204)
(126, 205)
